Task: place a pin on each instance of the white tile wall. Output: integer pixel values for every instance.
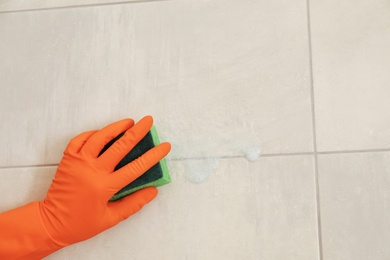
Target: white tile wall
(198, 67)
(221, 78)
(351, 65)
(26, 5)
(18, 186)
(355, 205)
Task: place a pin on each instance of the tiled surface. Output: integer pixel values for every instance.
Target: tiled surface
(351, 65)
(214, 91)
(221, 78)
(18, 186)
(24, 5)
(243, 211)
(355, 205)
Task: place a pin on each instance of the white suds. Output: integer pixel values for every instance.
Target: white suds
(197, 171)
(212, 137)
(252, 154)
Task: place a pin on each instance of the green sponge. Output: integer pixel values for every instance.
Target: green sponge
(156, 176)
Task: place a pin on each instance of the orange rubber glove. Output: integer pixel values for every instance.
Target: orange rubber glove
(76, 206)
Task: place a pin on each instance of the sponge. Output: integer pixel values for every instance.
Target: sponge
(156, 176)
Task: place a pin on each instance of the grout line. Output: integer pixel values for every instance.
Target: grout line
(355, 151)
(238, 156)
(313, 111)
(29, 166)
(286, 154)
(229, 157)
(79, 6)
(205, 158)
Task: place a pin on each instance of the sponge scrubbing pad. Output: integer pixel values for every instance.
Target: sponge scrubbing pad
(156, 176)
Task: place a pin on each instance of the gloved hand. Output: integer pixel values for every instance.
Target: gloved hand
(76, 206)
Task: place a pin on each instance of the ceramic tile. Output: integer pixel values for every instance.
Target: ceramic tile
(19, 186)
(221, 78)
(23, 5)
(351, 80)
(243, 210)
(355, 205)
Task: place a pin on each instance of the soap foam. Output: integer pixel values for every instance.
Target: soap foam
(198, 170)
(234, 136)
(252, 154)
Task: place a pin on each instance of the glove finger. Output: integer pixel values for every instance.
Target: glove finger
(127, 206)
(121, 147)
(136, 168)
(96, 143)
(78, 141)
